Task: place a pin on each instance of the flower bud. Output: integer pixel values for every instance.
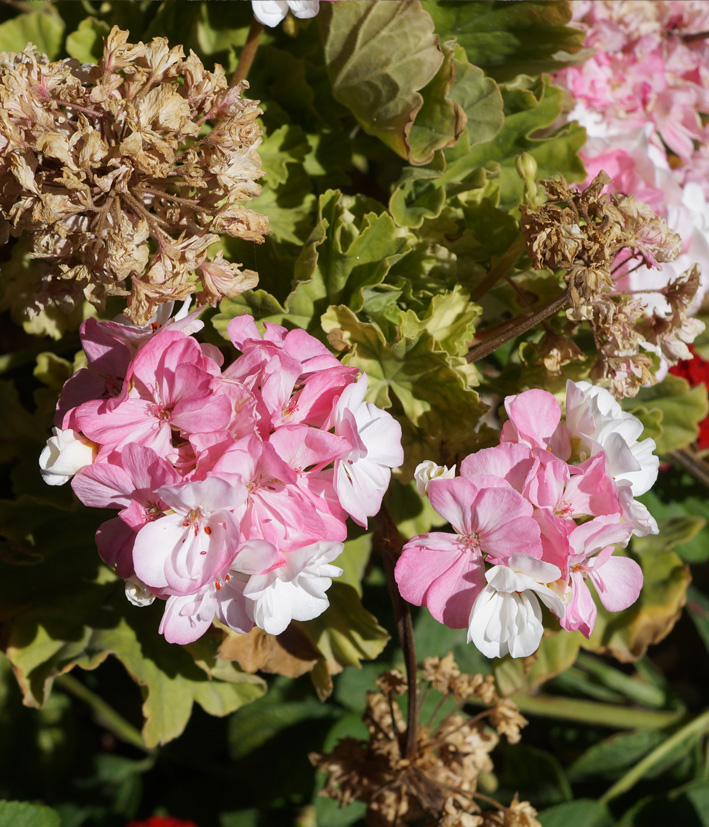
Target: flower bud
(427, 471)
(64, 455)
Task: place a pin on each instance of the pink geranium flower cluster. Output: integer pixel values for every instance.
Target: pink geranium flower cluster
(232, 484)
(640, 97)
(536, 518)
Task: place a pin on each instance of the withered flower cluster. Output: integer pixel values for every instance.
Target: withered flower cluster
(595, 239)
(438, 782)
(123, 173)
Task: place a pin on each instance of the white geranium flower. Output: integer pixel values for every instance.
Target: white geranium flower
(597, 423)
(271, 12)
(65, 453)
(362, 477)
(427, 471)
(506, 616)
(295, 591)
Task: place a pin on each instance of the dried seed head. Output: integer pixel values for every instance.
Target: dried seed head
(122, 173)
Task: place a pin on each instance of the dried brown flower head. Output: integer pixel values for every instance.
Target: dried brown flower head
(583, 232)
(123, 173)
(437, 782)
(595, 238)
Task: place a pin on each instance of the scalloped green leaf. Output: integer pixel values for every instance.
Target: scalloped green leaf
(352, 247)
(450, 319)
(70, 610)
(529, 109)
(434, 389)
(442, 119)
(511, 38)
(682, 409)
(44, 29)
(379, 57)
(86, 43)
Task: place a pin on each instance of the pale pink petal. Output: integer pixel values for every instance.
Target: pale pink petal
(438, 571)
(618, 582)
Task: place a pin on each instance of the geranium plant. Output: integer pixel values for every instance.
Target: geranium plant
(353, 411)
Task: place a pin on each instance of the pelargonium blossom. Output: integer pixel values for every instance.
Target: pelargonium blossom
(535, 518)
(232, 483)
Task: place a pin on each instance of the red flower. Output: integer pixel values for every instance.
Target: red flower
(162, 821)
(696, 372)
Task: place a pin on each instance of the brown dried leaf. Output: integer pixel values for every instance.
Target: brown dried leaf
(290, 654)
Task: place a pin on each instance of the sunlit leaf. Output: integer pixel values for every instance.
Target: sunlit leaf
(379, 57)
(682, 409)
(510, 38)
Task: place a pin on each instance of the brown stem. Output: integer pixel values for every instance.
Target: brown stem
(390, 543)
(501, 268)
(696, 467)
(693, 37)
(248, 53)
(526, 323)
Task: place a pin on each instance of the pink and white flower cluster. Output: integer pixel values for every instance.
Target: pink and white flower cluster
(536, 518)
(232, 484)
(640, 97)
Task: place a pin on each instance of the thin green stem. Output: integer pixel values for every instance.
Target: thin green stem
(592, 712)
(522, 326)
(105, 714)
(694, 729)
(248, 53)
(390, 543)
(501, 267)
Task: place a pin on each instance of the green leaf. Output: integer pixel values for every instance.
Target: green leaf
(44, 29)
(450, 320)
(345, 634)
(480, 98)
(353, 561)
(284, 146)
(684, 519)
(432, 387)
(254, 726)
(70, 610)
(556, 653)
(511, 38)
(584, 812)
(86, 43)
(534, 774)
(617, 753)
(379, 56)
(417, 195)
(23, 814)
(529, 110)
(441, 119)
(682, 409)
(352, 247)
